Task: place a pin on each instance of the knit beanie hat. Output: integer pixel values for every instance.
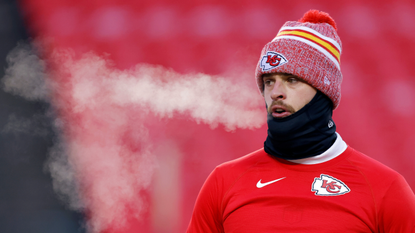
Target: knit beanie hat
(310, 49)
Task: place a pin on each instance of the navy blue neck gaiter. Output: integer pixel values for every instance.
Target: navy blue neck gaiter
(306, 133)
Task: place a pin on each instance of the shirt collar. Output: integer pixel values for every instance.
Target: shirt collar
(338, 147)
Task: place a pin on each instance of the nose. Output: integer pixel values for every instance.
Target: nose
(278, 91)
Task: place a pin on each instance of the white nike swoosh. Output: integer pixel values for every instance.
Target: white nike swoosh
(261, 185)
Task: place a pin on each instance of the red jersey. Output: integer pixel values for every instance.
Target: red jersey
(260, 193)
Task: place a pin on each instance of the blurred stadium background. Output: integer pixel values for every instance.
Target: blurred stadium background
(376, 114)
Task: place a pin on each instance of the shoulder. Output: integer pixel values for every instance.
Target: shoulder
(379, 176)
(236, 168)
(368, 165)
(225, 175)
(245, 162)
(392, 195)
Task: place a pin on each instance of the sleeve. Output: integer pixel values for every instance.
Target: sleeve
(397, 208)
(207, 217)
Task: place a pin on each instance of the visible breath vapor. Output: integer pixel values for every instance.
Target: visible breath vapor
(103, 157)
(204, 98)
(25, 76)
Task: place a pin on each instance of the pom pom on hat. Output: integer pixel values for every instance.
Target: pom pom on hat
(315, 16)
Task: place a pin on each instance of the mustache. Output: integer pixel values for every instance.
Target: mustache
(287, 107)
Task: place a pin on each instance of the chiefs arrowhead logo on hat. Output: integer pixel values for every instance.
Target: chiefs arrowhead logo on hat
(272, 60)
(328, 186)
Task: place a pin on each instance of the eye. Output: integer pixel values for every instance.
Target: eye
(268, 82)
(292, 80)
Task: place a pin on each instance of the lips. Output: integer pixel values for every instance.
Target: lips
(279, 111)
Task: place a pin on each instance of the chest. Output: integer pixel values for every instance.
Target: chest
(284, 201)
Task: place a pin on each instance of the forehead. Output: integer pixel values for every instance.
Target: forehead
(282, 75)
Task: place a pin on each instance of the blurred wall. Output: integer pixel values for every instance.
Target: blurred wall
(28, 203)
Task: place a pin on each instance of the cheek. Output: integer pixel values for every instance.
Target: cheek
(307, 96)
(302, 96)
(267, 98)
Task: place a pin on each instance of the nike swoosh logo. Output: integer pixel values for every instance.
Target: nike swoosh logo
(261, 185)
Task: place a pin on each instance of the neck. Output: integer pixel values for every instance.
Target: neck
(306, 133)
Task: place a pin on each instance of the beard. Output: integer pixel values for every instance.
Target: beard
(288, 107)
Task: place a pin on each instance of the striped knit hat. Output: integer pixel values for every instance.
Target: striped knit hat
(309, 49)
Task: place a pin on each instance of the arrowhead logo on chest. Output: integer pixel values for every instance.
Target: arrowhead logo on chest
(326, 185)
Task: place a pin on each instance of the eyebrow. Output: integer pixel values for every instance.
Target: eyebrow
(284, 74)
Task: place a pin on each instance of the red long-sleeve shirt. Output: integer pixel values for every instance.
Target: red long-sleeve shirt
(259, 193)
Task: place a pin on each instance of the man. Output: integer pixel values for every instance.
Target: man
(306, 178)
